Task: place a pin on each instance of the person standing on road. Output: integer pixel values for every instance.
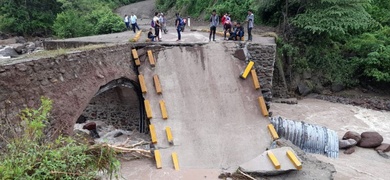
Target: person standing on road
(214, 21)
(126, 20)
(156, 25)
(163, 23)
(178, 24)
(250, 20)
(133, 20)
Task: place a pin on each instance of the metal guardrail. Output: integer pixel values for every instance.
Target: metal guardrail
(310, 138)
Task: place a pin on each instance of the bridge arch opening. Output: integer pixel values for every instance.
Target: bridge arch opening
(118, 103)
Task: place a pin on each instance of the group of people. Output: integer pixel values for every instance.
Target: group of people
(159, 25)
(235, 29)
(131, 20)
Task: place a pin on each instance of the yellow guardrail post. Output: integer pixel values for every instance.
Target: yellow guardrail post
(248, 68)
(273, 159)
(263, 107)
(294, 159)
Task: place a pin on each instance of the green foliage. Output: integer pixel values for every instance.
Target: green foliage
(334, 17)
(380, 11)
(87, 17)
(105, 21)
(371, 52)
(195, 8)
(71, 24)
(28, 17)
(29, 156)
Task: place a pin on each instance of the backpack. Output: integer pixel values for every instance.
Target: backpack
(152, 23)
(181, 22)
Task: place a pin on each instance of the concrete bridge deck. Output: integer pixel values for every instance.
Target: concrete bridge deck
(214, 115)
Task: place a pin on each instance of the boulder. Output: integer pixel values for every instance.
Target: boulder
(370, 140)
(347, 143)
(352, 135)
(81, 119)
(38, 43)
(90, 126)
(3, 36)
(337, 87)
(304, 88)
(8, 51)
(31, 47)
(20, 39)
(350, 150)
(19, 48)
(383, 148)
(240, 54)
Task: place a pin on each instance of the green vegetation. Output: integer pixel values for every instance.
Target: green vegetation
(29, 155)
(64, 18)
(346, 41)
(237, 8)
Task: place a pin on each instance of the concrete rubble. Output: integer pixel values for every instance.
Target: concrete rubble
(311, 166)
(262, 165)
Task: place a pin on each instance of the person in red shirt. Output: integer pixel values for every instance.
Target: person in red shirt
(223, 19)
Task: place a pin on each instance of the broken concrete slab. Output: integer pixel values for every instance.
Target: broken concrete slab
(262, 165)
(312, 167)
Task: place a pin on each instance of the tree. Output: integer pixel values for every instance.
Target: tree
(33, 17)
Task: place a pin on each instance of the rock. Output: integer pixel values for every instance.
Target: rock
(90, 126)
(118, 134)
(3, 36)
(347, 143)
(262, 165)
(94, 133)
(240, 54)
(8, 51)
(19, 48)
(352, 135)
(81, 119)
(20, 39)
(370, 140)
(30, 47)
(304, 88)
(383, 147)
(286, 100)
(306, 74)
(38, 43)
(21, 67)
(350, 150)
(337, 87)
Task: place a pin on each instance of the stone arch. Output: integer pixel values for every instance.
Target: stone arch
(118, 103)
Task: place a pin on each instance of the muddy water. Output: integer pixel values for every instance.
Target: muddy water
(364, 163)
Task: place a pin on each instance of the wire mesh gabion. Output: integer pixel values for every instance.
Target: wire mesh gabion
(310, 138)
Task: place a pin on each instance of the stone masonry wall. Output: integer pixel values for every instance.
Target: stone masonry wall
(118, 107)
(70, 80)
(264, 58)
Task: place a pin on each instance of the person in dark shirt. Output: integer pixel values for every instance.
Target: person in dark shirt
(150, 34)
(239, 32)
(178, 26)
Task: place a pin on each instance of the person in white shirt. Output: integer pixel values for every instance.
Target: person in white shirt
(126, 19)
(133, 20)
(156, 25)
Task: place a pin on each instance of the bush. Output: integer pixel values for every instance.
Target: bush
(105, 21)
(71, 24)
(30, 156)
(371, 52)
